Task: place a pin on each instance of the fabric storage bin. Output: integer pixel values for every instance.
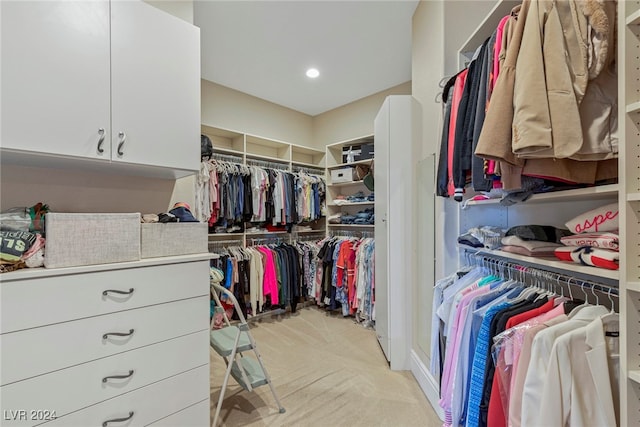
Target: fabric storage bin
(75, 239)
(173, 238)
(355, 150)
(342, 175)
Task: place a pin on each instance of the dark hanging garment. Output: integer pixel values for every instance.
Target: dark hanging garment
(479, 181)
(443, 173)
(247, 211)
(462, 146)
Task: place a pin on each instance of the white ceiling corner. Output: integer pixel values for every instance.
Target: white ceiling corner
(264, 47)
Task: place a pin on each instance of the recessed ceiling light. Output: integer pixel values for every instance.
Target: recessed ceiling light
(313, 73)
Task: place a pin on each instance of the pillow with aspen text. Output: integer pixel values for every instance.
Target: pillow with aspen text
(604, 218)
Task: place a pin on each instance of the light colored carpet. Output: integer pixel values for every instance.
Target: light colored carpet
(327, 371)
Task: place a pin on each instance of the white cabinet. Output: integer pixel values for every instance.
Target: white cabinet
(397, 134)
(155, 85)
(55, 77)
(135, 340)
(118, 82)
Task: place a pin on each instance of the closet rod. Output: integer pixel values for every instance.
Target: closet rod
(227, 157)
(308, 170)
(269, 165)
(268, 240)
(352, 233)
(538, 274)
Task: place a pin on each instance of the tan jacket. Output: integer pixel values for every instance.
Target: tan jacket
(567, 46)
(496, 138)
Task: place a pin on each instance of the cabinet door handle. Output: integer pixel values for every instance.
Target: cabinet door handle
(123, 138)
(101, 140)
(118, 420)
(118, 377)
(118, 334)
(115, 291)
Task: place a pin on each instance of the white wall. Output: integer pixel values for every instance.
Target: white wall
(354, 119)
(81, 191)
(230, 109)
(183, 9)
(426, 71)
(462, 17)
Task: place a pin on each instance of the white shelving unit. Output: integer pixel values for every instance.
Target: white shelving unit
(629, 204)
(334, 161)
(558, 207)
(248, 149)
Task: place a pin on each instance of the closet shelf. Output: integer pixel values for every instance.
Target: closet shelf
(633, 286)
(569, 268)
(253, 156)
(265, 233)
(344, 165)
(633, 197)
(335, 205)
(217, 235)
(307, 232)
(590, 193)
(633, 19)
(345, 184)
(351, 225)
(633, 108)
(634, 376)
(308, 165)
(484, 30)
(222, 150)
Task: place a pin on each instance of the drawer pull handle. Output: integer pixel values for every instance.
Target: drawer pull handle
(118, 377)
(115, 291)
(118, 420)
(101, 140)
(118, 334)
(123, 138)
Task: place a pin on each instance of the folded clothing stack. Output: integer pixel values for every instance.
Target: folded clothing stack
(358, 197)
(365, 217)
(482, 237)
(596, 241)
(534, 248)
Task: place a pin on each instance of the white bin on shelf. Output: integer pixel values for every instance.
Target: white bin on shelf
(76, 239)
(342, 175)
(173, 238)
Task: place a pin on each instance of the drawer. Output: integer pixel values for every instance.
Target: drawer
(84, 385)
(198, 415)
(43, 301)
(37, 351)
(148, 404)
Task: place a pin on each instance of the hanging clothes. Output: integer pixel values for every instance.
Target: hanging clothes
(230, 194)
(503, 350)
(347, 279)
(548, 80)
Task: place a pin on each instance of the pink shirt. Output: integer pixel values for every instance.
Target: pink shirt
(455, 337)
(270, 281)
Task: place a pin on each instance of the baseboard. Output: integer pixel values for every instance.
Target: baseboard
(427, 383)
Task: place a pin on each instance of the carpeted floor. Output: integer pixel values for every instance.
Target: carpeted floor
(328, 371)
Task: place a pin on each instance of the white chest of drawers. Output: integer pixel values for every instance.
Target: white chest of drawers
(110, 345)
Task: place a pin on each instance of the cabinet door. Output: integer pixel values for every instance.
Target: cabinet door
(55, 77)
(381, 179)
(155, 82)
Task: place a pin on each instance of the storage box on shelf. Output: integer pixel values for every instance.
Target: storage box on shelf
(344, 181)
(178, 238)
(75, 239)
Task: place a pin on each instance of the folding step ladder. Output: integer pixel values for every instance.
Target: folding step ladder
(230, 342)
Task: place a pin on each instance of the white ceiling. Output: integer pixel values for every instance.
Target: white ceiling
(264, 47)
